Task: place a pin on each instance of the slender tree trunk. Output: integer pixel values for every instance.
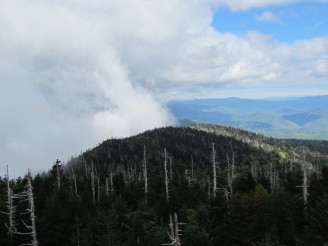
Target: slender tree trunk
(214, 171)
(93, 184)
(305, 179)
(171, 173)
(31, 208)
(107, 187)
(58, 173)
(75, 185)
(166, 178)
(111, 183)
(98, 190)
(192, 170)
(11, 209)
(145, 174)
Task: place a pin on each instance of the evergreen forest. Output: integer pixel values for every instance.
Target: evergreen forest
(195, 185)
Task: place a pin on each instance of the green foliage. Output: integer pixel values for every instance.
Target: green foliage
(252, 214)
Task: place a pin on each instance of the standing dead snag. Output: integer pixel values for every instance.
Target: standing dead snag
(31, 209)
(107, 187)
(305, 179)
(171, 173)
(145, 173)
(254, 167)
(58, 172)
(11, 208)
(214, 171)
(27, 195)
(75, 185)
(93, 184)
(231, 171)
(175, 231)
(166, 176)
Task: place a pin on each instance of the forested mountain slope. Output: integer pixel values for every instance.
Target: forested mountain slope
(228, 187)
(300, 117)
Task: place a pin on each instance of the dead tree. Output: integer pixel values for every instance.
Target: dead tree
(171, 173)
(86, 169)
(231, 171)
(166, 176)
(31, 209)
(11, 208)
(98, 189)
(192, 170)
(174, 234)
(58, 172)
(305, 185)
(209, 188)
(145, 173)
(27, 195)
(75, 184)
(93, 184)
(233, 168)
(107, 187)
(214, 171)
(111, 183)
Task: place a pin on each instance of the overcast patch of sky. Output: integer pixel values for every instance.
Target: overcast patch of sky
(294, 21)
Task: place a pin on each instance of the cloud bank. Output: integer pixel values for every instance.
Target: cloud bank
(73, 73)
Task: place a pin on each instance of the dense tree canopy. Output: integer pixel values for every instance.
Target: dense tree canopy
(259, 201)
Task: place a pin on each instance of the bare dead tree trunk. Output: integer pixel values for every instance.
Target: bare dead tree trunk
(192, 170)
(174, 234)
(176, 230)
(233, 168)
(98, 189)
(11, 209)
(111, 183)
(93, 184)
(58, 173)
(231, 171)
(145, 174)
(75, 185)
(31, 208)
(171, 173)
(305, 179)
(166, 178)
(86, 169)
(214, 171)
(26, 195)
(107, 187)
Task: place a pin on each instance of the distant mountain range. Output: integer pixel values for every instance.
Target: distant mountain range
(304, 117)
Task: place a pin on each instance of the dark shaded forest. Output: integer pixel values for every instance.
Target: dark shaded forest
(226, 186)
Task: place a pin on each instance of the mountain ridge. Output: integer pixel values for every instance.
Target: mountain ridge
(304, 117)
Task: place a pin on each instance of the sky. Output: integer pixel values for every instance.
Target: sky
(74, 73)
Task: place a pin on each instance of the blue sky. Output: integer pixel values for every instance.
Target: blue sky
(289, 23)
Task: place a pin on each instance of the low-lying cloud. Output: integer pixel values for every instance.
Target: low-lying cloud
(73, 73)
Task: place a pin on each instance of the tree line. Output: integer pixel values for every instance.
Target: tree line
(173, 186)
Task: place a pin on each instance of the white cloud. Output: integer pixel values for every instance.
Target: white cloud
(241, 5)
(267, 16)
(73, 73)
(69, 71)
(320, 68)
